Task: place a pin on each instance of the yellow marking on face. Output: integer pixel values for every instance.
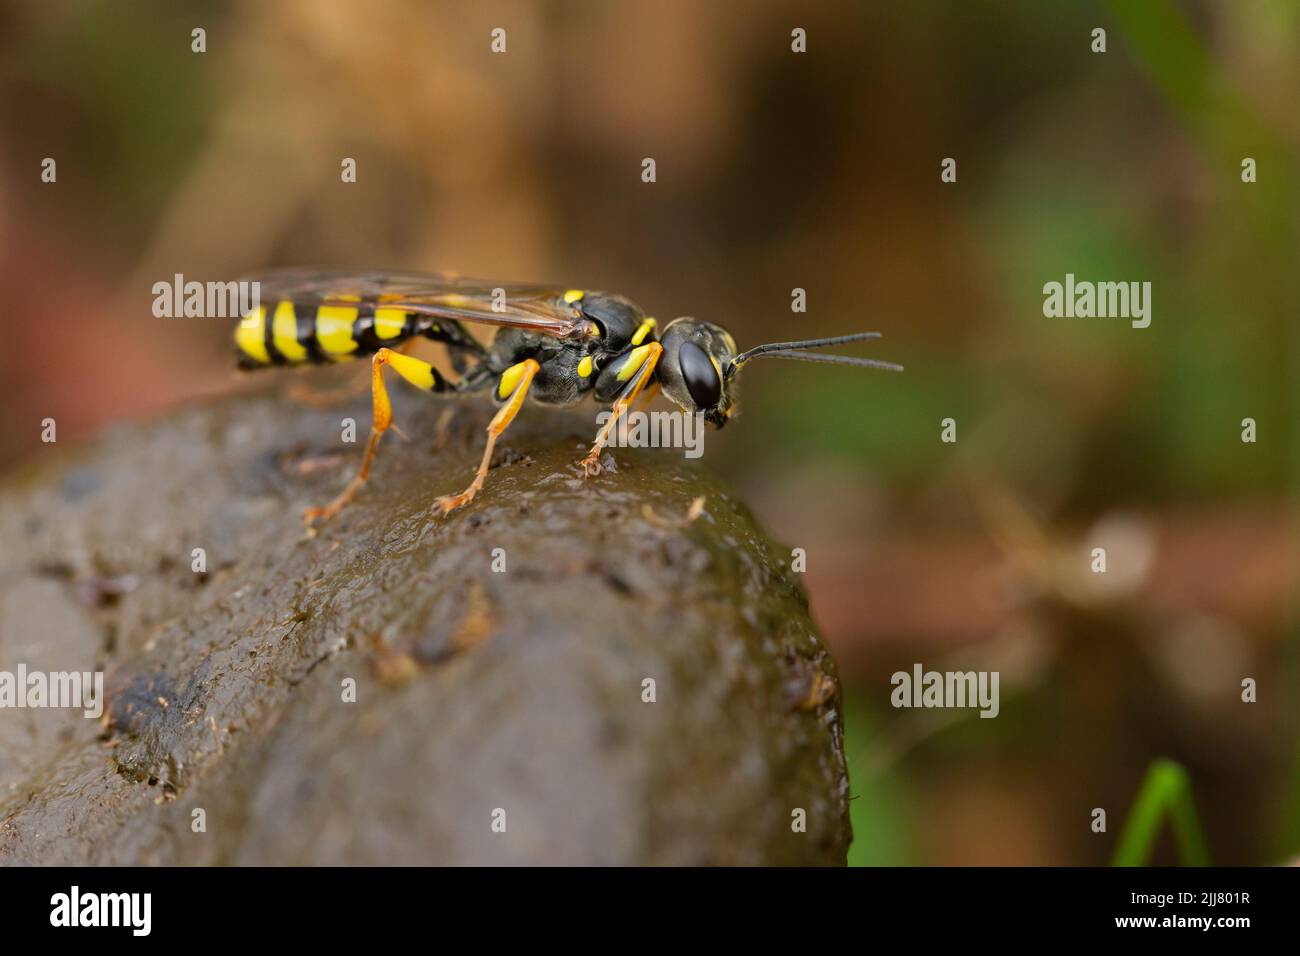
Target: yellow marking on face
(284, 332)
(573, 295)
(716, 367)
(510, 379)
(635, 359)
(250, 335)
(389, 323)
(584, 367)
(642, 331)
(420, 374)
(334, 329)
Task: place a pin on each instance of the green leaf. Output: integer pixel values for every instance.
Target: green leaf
(1166, 788)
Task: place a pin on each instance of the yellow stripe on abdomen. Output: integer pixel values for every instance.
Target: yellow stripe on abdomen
(334, 330)
(250, 336)
(389, 323)
(284, 333)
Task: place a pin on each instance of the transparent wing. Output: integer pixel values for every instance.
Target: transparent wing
(538, 308)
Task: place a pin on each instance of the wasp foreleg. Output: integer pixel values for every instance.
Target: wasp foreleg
(420, 374)
(514, 383)
(639, 368)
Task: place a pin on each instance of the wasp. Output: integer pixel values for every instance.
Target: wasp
(553, 345)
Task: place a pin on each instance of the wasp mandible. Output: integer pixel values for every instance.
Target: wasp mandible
(552, 345)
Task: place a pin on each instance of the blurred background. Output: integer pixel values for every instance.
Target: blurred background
(777, 171)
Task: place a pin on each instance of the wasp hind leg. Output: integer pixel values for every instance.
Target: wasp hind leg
(514, 383)
(639, 374)
(420, 374)
(310, 395)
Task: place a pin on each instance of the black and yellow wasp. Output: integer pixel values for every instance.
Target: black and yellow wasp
(553, 345)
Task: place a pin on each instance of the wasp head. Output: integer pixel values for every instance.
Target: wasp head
(694, 369)
(698, 368)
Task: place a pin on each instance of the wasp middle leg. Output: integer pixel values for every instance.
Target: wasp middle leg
(420, 374)
(513, 387)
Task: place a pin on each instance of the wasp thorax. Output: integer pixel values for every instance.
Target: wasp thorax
(618, 318)
(693, 369)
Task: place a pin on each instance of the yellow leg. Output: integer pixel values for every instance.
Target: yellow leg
(591, 464)
(311, 396)
(523, 373)
(420, 374)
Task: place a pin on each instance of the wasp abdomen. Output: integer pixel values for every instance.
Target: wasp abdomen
(289, 333)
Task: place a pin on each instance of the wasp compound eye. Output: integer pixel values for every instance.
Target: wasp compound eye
(701, 376)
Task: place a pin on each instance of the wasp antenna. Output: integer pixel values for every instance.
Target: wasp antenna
(806, 344)
(798, 351)
(833, 359)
